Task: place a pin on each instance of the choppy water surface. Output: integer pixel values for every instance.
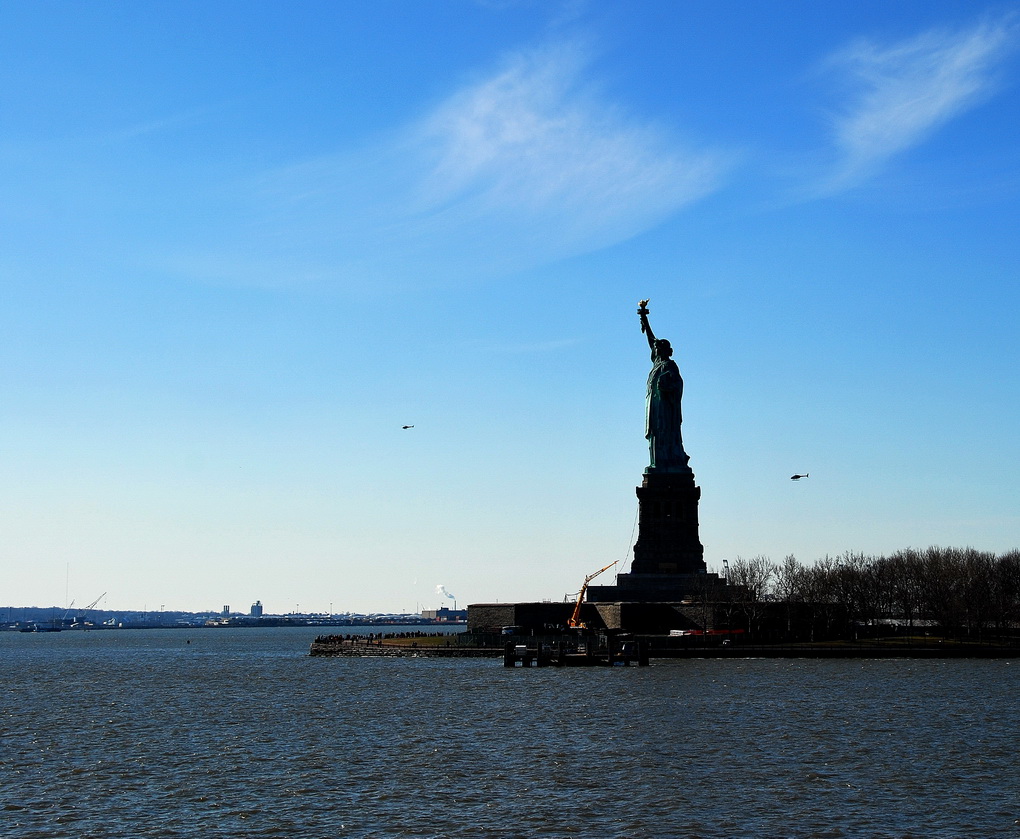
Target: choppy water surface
(138, 733)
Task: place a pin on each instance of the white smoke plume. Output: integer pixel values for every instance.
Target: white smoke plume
(441, 589)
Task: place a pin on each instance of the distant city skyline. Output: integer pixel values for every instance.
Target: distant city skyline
(256, 609)
(55, 611)
(246, 244)
(51, 619)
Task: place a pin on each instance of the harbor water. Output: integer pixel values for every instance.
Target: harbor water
(239, 733)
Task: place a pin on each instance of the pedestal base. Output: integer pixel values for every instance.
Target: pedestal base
(654, 588)
(668, 542)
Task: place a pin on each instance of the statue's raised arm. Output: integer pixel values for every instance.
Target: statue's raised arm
(645, 327)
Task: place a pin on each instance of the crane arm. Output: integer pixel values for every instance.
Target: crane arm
(575, 619)
(81, 617)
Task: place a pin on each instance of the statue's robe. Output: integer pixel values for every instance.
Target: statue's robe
(663, 417)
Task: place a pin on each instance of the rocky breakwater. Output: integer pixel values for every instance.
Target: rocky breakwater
(399, 645)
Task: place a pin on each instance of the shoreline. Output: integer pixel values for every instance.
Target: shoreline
(337, 647)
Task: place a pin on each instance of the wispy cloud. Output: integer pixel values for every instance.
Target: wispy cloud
(533, 145)
(525, 166)
(902, 92)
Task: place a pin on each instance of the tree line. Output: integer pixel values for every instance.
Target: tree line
(962, 591)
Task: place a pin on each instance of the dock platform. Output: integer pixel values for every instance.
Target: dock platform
(581, 655)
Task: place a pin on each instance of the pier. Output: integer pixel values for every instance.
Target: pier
(591, 652)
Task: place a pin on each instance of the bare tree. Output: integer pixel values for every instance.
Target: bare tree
(940, 588)
(1006, 590)
(789, 586)
(903, 580)
(751, 577)
(976, 572)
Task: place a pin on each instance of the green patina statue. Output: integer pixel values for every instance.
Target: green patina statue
(662, 406)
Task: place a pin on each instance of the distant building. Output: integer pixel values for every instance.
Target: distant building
(256, 609)
(226, 612)
(444, 615)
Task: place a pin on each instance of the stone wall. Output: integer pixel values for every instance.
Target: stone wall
(655, 618)
(492, 617)
(650, 618)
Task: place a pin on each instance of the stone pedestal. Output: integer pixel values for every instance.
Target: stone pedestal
(669, 559)
(668, 541)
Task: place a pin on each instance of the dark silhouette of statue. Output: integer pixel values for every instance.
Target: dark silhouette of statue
(663, 415)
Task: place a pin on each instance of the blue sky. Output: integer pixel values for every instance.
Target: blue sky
(243, 243)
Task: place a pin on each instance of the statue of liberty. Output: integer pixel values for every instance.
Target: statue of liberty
(662, 406)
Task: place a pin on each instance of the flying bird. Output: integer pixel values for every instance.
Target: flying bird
(405, 427)
(798, 477)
